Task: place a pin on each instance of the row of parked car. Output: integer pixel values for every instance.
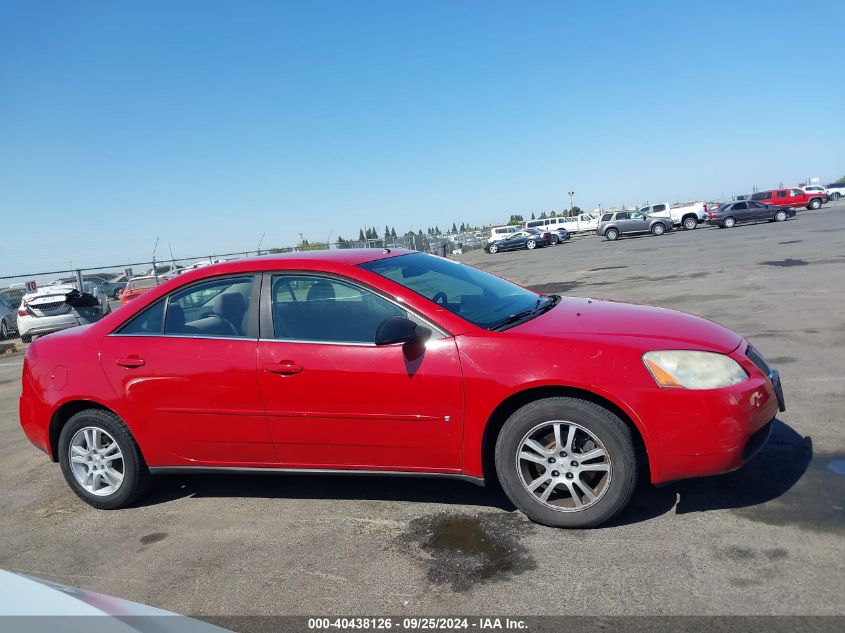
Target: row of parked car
(774, 205)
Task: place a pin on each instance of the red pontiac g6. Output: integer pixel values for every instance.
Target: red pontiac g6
(368, 361)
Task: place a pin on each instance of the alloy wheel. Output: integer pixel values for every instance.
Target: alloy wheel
(96, 461)
(564, 466)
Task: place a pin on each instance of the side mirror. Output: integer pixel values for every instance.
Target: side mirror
(400, 330)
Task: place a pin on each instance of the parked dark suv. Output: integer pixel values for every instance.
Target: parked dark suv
(612, 225)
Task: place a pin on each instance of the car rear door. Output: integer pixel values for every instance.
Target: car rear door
(185, 371)
(335, 400)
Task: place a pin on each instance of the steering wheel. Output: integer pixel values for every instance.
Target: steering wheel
(440, 298)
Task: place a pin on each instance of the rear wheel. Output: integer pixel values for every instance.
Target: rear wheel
(4, 331)
(690, 223)
(658, 229)
(835, 196)
(611, 234)
(101, 461)
(780, 216)
(729, 222)
(531, 245)
(566, 462)
(554, 239)
(815, 203)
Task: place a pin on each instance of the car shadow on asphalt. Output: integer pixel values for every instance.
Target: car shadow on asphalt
(439, 490)
(771, 474)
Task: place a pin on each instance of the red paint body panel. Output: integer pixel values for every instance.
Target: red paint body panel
(211, 402)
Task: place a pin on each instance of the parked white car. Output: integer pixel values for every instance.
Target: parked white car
(835, 190)
(815, 189)
(501, 232)
(573, 224)
(46, 310)
(688, 216)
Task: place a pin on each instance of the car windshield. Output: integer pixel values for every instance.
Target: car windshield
(481, 298)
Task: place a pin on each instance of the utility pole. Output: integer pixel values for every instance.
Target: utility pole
(571, 193)
(155, 269)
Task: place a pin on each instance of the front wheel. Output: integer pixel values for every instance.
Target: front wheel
(566, 462)
(835, 196)
(780, 216)
(101, 461)
(531, 245)
(690, 223)
(611, 234)
(729, 223)
(658, 229)
(554, 239)
(493, 248)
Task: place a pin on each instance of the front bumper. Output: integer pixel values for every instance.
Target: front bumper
(702, 433)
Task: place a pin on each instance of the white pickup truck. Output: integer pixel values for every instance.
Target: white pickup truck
(573, 224)
(686, 215)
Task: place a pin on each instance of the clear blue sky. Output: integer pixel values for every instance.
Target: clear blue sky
(209, 123)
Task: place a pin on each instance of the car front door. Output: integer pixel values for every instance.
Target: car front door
(757, 211)
(185, 371)
(638, 222)
(741, 212)
(335, 400)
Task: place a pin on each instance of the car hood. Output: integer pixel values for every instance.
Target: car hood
(596, 317)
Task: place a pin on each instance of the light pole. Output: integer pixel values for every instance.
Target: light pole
(571, 193)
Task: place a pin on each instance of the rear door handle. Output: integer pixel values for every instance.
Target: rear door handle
(130, 362)
(285, 368)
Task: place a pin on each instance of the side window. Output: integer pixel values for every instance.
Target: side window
(149, 321)
(323, 310)
(659, 207)
(796, 192)
(782, 194)
(213, 308)
(606, 217)
(623, 215)
(740, 206)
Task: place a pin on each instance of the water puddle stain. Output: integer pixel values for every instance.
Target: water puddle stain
(464, 550)
(785, 263)
(837, 466)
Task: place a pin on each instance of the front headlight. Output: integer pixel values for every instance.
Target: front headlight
(684, 369)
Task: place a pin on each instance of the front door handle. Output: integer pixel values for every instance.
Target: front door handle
(285, 368)
(130, 362)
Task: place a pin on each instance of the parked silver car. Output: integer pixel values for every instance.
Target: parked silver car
(612, 225)
(8, 318)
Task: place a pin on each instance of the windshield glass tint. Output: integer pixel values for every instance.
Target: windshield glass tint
(480, 298)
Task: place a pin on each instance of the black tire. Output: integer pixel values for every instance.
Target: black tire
(116, 294)
(493, 248)
(26, 338)
(815, 203)
(530, 245)
(612, 432)
(689, 223)
(136, 475)
(611, 234)
(658, 229)
(554, 239)
(729, 222)
(4, 330)
(835, 196)
(780, 216)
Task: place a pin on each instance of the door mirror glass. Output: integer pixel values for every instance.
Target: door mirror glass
(401, 330)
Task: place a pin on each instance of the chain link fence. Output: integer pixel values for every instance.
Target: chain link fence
(33, 303)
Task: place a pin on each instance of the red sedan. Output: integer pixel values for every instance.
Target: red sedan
(136, 287)
(398, 362)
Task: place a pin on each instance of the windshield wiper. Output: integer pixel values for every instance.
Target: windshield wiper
(523, 315)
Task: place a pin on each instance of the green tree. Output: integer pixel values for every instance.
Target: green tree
(532, 216)
(454, 228)
(516, 219)
(575, 210)
(552, 214)
(841, 181)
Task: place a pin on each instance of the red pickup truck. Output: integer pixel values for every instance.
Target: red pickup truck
(793, 197)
